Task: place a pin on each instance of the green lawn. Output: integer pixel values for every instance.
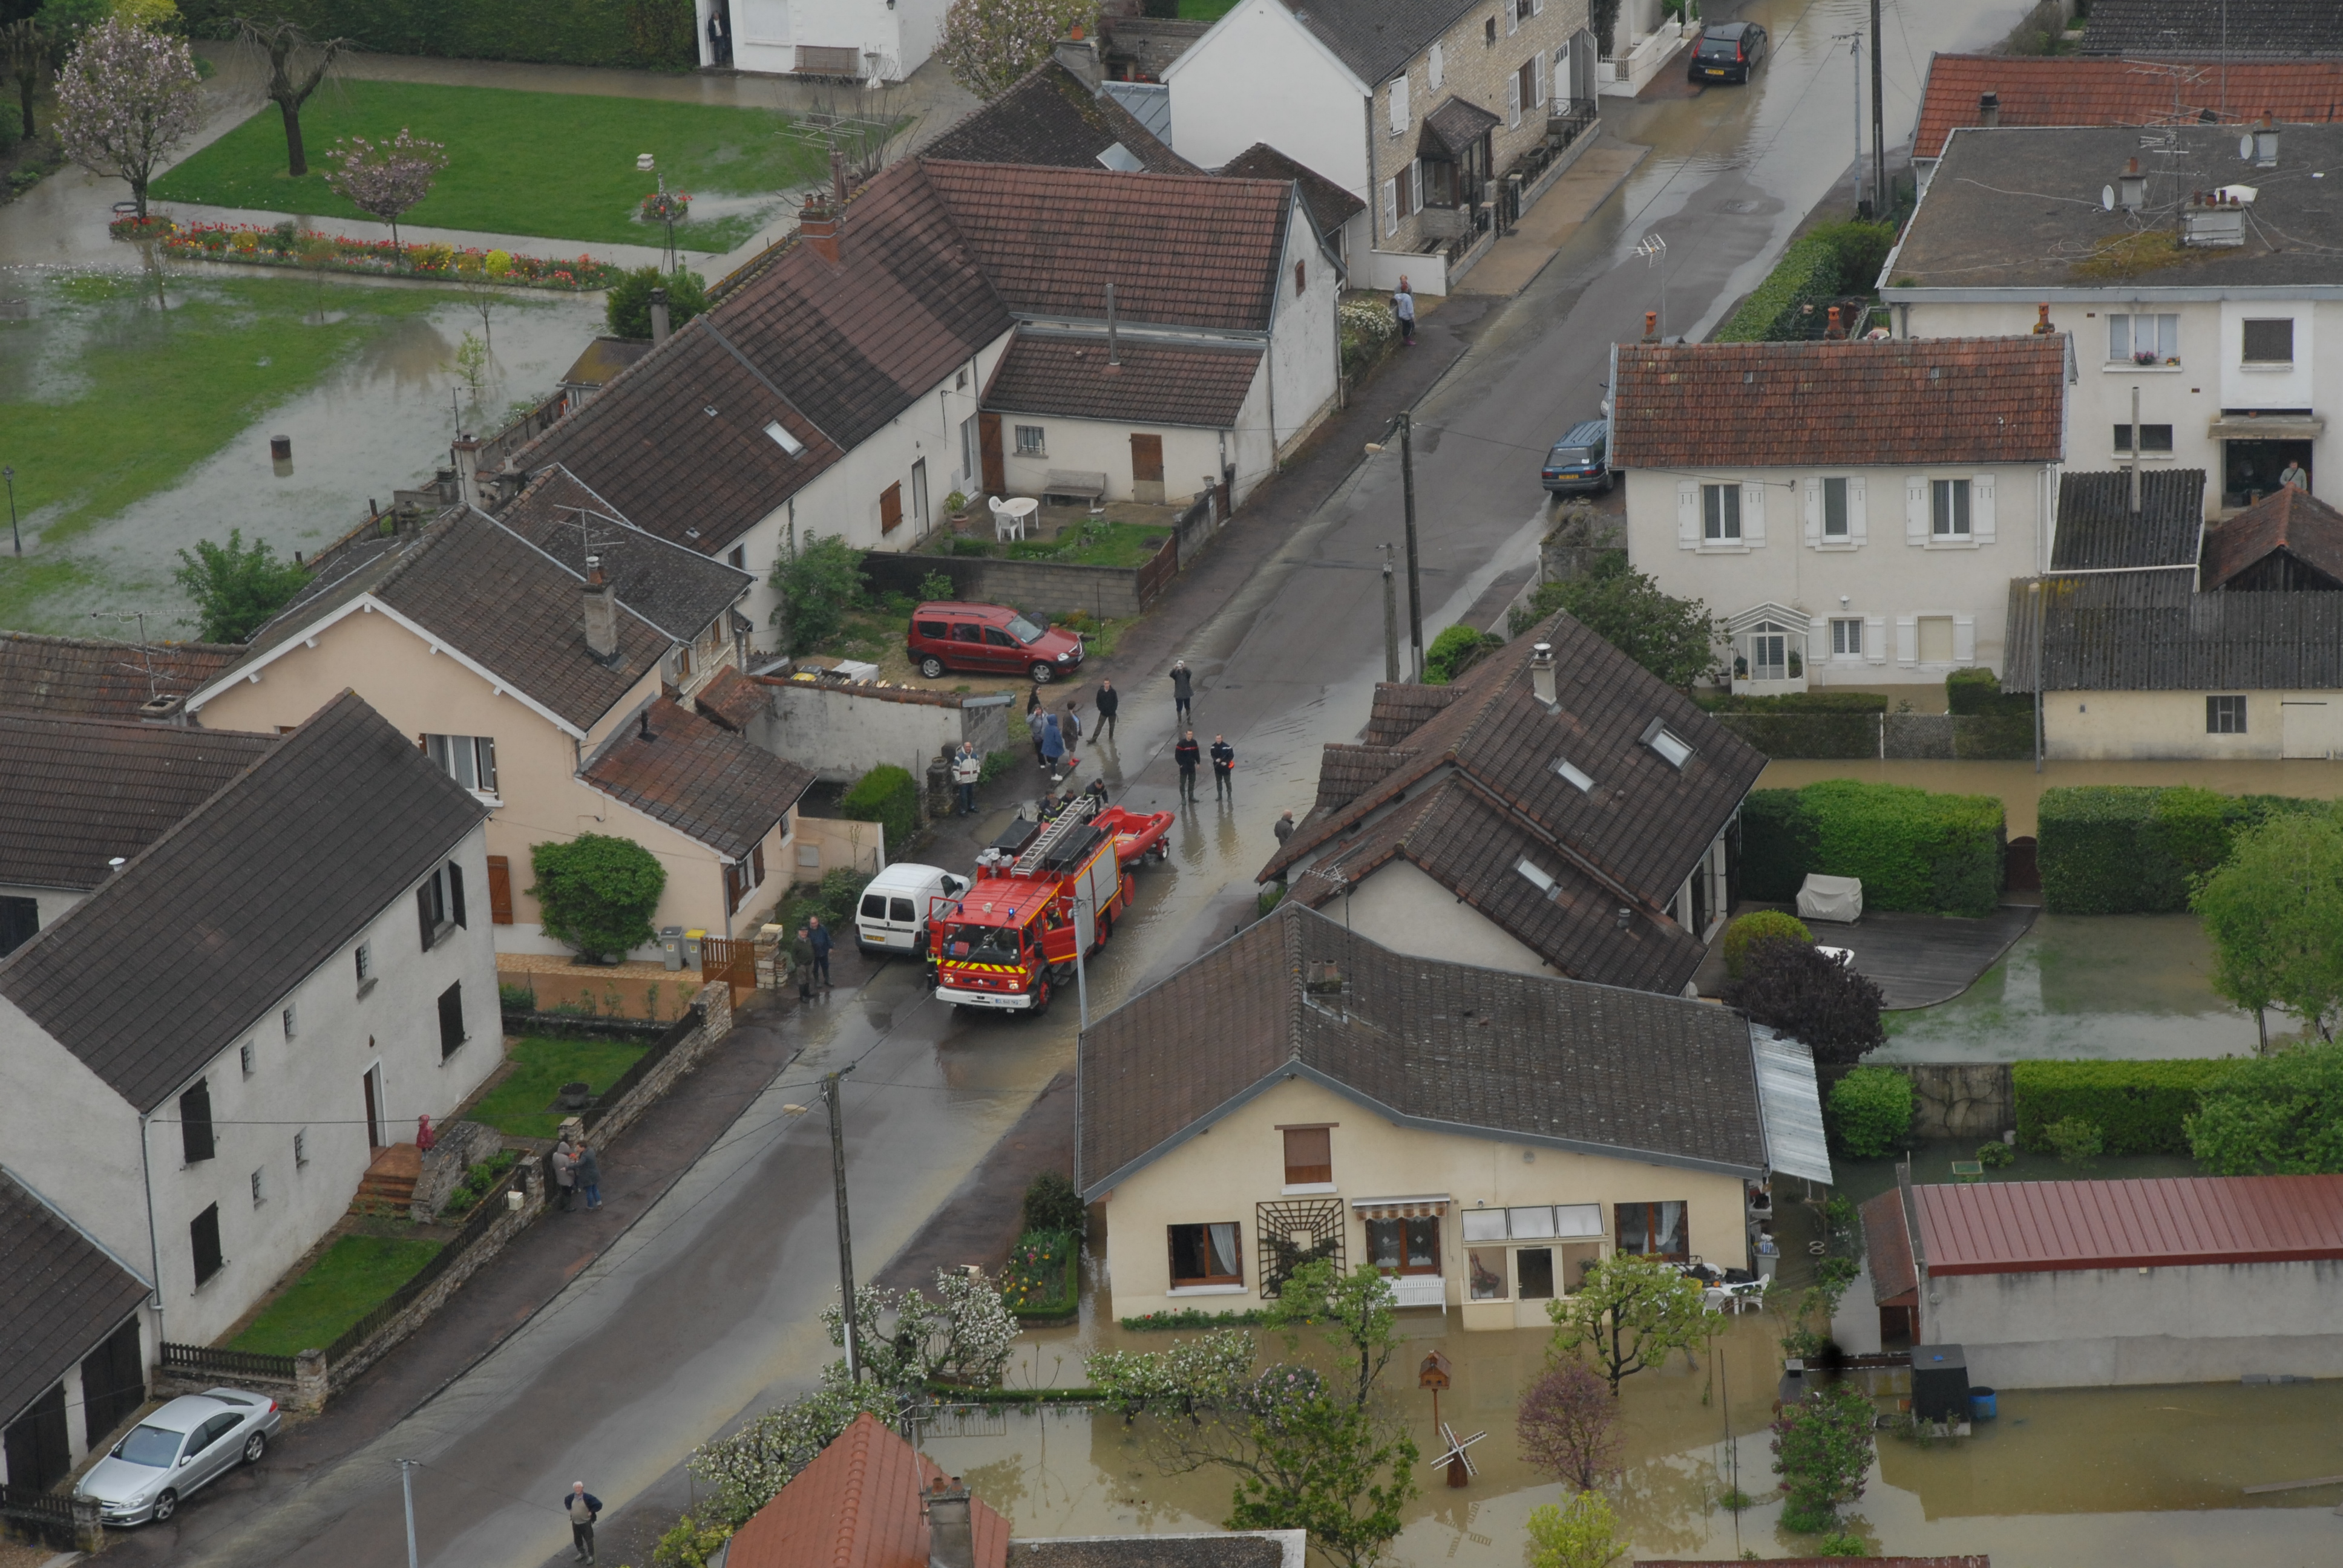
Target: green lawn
(357, 1275)
(1126, 545)
(1205, 10)
(521, 1104)
(560, 165)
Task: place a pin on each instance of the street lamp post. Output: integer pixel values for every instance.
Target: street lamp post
(830, 1086)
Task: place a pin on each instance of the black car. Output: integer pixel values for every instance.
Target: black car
(1578, 464)
(1728, 52)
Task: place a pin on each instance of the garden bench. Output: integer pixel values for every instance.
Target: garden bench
(1076, 484)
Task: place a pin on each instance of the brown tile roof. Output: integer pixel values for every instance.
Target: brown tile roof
(2287, 520)
(1443, 1046)
(1051, 117)
(731, 698)
(60, 1295)
(1910, 400)
(859, 1504)
(101, 679)
(1888, 1250)
(2098, 531)
(80, 791)
(2074, 90)
(214, 923)
(1331, 207)
(2207, 28)
(1399, 711)
(604, 359)
(1345, 770)
(698, 778)
(1633, 838)
(1069, 376)
(675, 587)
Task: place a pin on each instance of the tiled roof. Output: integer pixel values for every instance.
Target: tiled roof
(213, 924)
(2208, 28)
(1888, 1249)
(731, 698)
(1051, 117)
(604, 359)
(101, 679)
(2074, 90)
(1377, 38)
(1330, 206)
(677, 589)
(1399, 711)
(2096, 529)
(698, 778)
(1344, 772)
(1891, 400)
(1155, 384)
(60, 1295)
(2146, 631)
(1638, 832)
(1147, 45)
(2295, 521)
(2043, 1227)
(2020, 209)
(1456, 125)
(859, 1504)
(80, 791)
(1447, 1046)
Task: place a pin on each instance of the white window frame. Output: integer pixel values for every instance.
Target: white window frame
(258, 1196)
(1716, 527)
(246, 1058)
(1040, 443)
(470, 759)
(1949, 519)
(1845, 628)
(2124, 335)
(1396, 105)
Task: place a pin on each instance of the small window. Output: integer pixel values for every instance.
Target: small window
(1404, 1246)
(740, 557)
(204, 1241)
(935, 630)
(2152, 437)
(1576, 776)
(196, 1124)
(451, 1019)
(1301, 281)
(2143, 339)
(1489, 33)
(1029, 441)
(1672, 747)
(1309, 1157)
(1949, 508)
(364, 958)
(2224, 716)
(966, 631)
(1205, 1255)
(901, 910)
(470, 759)
(959, 379)
(244, 1058)
(2269, 342)
(874, 906)
(784, 440)
(1834, 509)
(1936, 639)
(256, 1198)
(1484, 1272)
(1847, 637)
(286, 1018)
(1654, 1230)
(1720, 512)
(301, 1148)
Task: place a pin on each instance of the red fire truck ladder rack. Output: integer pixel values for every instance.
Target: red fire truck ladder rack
(1065, 825)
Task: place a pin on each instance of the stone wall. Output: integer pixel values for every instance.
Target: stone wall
(715, 1004)
(1970, 1101)
(841, 732)
(461, 1145)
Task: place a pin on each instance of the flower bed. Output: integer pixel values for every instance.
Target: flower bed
(1041, 1280)
(287, 245)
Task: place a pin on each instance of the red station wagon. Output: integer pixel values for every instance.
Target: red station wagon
(988, 639)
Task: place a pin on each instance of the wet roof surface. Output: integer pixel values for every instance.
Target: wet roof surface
(2038, 1227)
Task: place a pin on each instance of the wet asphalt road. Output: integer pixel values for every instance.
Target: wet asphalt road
(705, 1311)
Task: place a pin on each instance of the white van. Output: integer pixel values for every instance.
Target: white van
(893, 915)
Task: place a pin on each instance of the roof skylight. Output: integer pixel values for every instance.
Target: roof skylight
(787, 442)
(1672, 747)
(1576, 776)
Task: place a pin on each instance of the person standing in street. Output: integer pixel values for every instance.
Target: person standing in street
(966, 770)
(817, 939)
(589, 1175)
(583, 1508)
(1054, 746)
(1070, 725)
(1403, 307)
(801, 963)
(1224, 763)
(1036, 718)
(564, 1174)
(1185, 754)
(1182, 687)
(1109, 699)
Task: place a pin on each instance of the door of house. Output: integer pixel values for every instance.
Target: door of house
(37, 1446)
(501, 902)
(113, 1383)
(1147, 468)
(2306, 728)
(988, 430)
(371, 1084)
(1769, 656)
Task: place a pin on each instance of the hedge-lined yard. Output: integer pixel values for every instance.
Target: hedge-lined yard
(1913, 850)
(2133, 849)
(2139, 1107)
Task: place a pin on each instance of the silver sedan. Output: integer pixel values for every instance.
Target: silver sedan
(187, 1444)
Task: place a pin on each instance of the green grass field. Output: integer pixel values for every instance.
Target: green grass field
(357, 1275)
(520, 1105)
(560, 165)
(1205, 10)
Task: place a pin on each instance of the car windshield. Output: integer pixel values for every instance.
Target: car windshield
(153, 1446)
(1719, 48)
(981, 945)
(1570, 455)
(1024, 630)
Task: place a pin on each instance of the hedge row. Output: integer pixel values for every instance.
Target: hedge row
(1940, 854)
(642, 34)
(1807, 269)
(889, 795)
(2132, 849)
(2137, 1106)
(1837, 736)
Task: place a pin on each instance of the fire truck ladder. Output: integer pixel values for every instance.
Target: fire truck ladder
(1065, 825)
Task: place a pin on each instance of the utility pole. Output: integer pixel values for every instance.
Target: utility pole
(9, 473)
(1405, 426)
(1390, 621)
(830, 1086)
(1854, 47)
(407, 1489)
(1878, 125)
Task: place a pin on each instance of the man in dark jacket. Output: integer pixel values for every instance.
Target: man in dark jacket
(583, 1508)
(1186, 755)
(817, 939)
(1182, 687)
(1109, 699)
(1224, 762)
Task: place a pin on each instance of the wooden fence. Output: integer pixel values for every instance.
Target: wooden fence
(198, 1362)
(730, 958)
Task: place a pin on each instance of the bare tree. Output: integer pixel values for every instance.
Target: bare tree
(25, 56)
(296, 64)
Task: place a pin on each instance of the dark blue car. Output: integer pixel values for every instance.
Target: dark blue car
(1578, 465)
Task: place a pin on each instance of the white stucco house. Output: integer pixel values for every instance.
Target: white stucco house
(1853, 510)
(872, 42)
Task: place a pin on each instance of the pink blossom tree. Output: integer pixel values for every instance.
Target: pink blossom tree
(386, 178)
(126, 98)
(1567, 1424)
(987, 45)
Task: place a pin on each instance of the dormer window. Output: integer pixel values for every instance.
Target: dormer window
(1672, 747)
(1577, 777)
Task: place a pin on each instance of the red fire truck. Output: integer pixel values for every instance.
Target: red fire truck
(1039, 897)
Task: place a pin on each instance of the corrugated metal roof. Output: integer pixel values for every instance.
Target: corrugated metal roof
(2098, 532)
(2038, 1227)
(1792, 1105)
(2146, 631)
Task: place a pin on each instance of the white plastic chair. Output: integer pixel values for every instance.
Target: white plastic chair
(1006, 524)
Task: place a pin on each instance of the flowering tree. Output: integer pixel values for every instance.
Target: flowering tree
(989, 44)
(125, 98)
(1567, 1425)
(386, 178)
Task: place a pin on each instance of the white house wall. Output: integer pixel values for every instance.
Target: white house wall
(2170, 726)
(1259, 76)
(1401, 907)
(52, 902)
(1103, 446)
(767, 33)
(72, 1139)
(1304, 346)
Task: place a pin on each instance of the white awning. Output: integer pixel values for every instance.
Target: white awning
(1424, 1206)
(1792, 1105)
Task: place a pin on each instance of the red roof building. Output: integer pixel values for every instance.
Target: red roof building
(2042, 1227)
(2069, 90)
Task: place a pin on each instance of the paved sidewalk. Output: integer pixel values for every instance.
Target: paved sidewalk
(1554, 217)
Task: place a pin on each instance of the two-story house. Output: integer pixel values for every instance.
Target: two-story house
(543, 690)
(2191, 265)
(1417, 109)
(1853, 510)
(205, 1053)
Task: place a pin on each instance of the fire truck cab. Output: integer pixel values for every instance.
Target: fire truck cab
(1043, 894)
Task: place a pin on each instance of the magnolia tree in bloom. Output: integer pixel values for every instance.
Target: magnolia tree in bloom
(988, 44)
(386, 178)
(126, 98)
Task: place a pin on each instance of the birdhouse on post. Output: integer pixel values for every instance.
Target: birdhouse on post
(1433, 1373)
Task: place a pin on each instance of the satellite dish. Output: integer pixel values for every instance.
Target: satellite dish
(2107, 197)
(2245, 147)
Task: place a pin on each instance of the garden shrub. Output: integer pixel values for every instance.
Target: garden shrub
(1453, 652)
(2279, 1115)
(889, 795)
(1796, 702)
(2134, 849)
(598, 893)
(1940, 854)
(1840, 736)
(1758, 923)
(637, 35)
(1978, 691)
(1809, 267)
(2078, 1141)
(1996, 1154)
(1052, 1203)
(820, 584)
(2140, 1107)
(1871, 1111)
(626, 308)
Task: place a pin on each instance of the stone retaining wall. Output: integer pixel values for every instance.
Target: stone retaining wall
(1971, 1101)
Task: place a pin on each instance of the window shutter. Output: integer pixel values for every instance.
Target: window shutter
(1907, 640)
(890, 507)
(1437, 67)
(1752, 514)
(456, 893)
(1399, 105)
(1391, 207)
(1855, 508)
(1964, 639)
(423, 913)
(196, 1122)
(500, 904)
(1415, 185)
(1538, 79)
(1813, 511)
(1818, 643)
(487, 748)
(1561, 73)
(451, 1019)
(1537, 7)
(1514, 100)
(1875, 639)
(1512, 18)
(1915, 509)
(1981, 508)
(1687, 515)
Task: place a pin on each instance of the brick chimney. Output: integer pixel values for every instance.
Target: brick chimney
(465, 450)
(1988, 109)
(601, 613)
(658, 317)
(1651, 327)
(2265, 141)
(1833, 331)
(2131, 187)
(817, 226)
(2042, 327)
(951, 1534)
(1080, 54)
